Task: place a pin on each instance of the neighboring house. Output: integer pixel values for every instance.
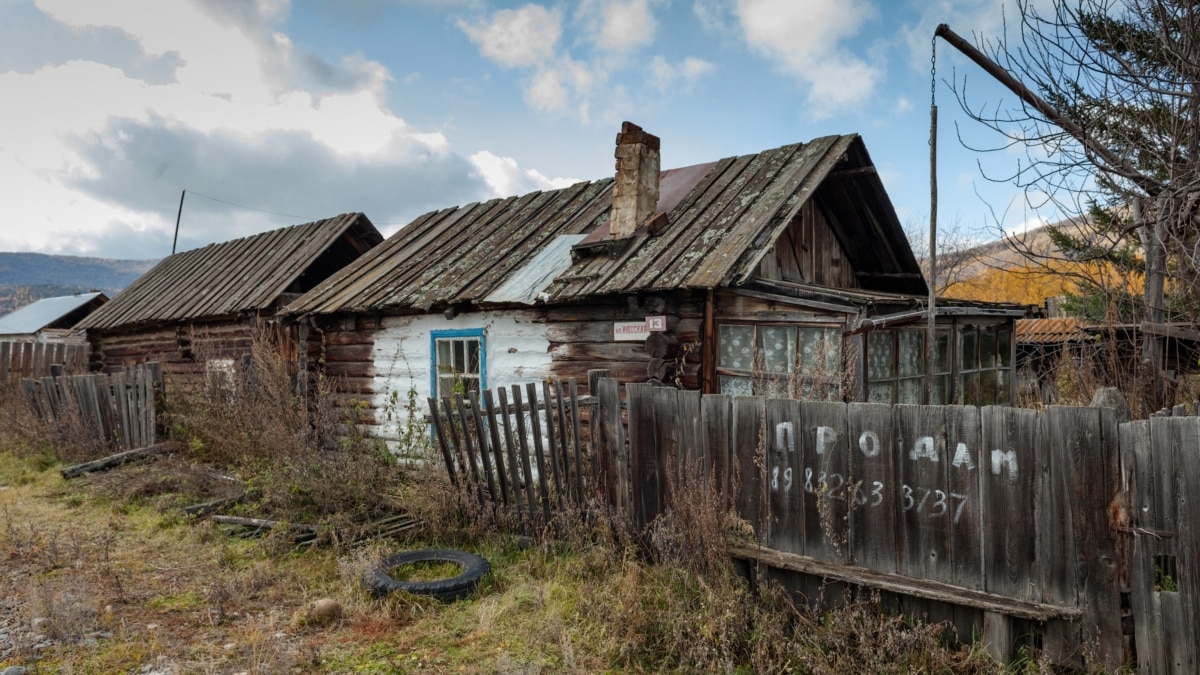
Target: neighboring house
(197, 311)
(50, 319)
(782, 273)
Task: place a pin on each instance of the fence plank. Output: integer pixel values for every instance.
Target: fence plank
(716, 411)
(1179, 439)
(552, 449)
(6, 369)
(643, 465)
(539, 451)
(486, 451)
(526, 463)
(785, 476)
(576, 438)
(439, 434)
(518, 459)
(748, 464)
(964, 462)
(925, 540)
(492, 425)
(666, 453)
(564, 441)
(463, 430)
(1142, 484)
(1008, 493)
(824, 447)
(611, 459)
(874, 470)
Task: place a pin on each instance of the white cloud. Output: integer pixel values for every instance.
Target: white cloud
(68, 128)
(517, 38)
(505, 177)
(619, 26)
(903, 104)
(803, 38)
(666, 74)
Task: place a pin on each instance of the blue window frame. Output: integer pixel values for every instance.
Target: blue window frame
(458, 361)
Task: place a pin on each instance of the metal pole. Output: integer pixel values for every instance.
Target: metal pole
(930, 328)
(177, 217)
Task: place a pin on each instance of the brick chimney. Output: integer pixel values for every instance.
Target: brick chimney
(635, 191)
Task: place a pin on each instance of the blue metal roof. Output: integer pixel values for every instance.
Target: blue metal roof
(37, 315)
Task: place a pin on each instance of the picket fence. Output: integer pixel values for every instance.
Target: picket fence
(119, 407)
(34, 359)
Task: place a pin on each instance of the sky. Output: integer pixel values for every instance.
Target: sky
(271, 113)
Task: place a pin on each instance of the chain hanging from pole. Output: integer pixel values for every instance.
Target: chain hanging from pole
(930, 331)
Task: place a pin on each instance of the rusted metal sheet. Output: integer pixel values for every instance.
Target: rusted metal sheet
(242, 275)
(1050, 331)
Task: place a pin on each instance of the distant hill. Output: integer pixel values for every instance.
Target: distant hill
(25, 277)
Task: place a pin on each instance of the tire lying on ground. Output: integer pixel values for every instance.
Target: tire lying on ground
(379, 581)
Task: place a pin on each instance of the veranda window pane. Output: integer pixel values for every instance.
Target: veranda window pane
(773, 387)
(987, 349)
(1004, 348)
(460, 359)
(912, 354)
(444, 362)
(941, 342)
(910, 390)
(941, 391)
(966, 352)
(879, 361)
(736, 386)
(880, 393)
(777, 345)
(987, 387)
(737, 347)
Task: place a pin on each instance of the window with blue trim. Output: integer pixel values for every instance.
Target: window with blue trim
(458, 361)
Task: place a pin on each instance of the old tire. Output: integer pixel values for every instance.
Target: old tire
(379, 581)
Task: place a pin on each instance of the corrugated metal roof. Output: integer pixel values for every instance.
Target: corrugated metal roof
(38, 315)
(246, 274)
(1050, 331)
(722, 218)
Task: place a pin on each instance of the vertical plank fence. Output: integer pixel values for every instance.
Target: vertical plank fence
(120, 407)
(527, 458)
(1061, 530)
(20, 360)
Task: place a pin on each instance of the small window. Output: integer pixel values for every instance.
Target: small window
(221, 375)
(457, 362)
(896, 366)
(985, 353)
(780, 361)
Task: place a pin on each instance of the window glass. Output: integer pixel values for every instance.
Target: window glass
(987, 349)
(966, 352)
(737, 347)
(879, 363)
(880, 393)
(911, 390)
(457, 363)
(777, 346)
(1004, 347)
(736, 386)
(912, 353)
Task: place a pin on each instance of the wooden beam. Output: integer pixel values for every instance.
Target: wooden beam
(849, 173)
(917, 588)
(1169, 330)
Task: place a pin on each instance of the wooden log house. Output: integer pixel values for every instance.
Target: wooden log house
(782, 273)
(195, 312)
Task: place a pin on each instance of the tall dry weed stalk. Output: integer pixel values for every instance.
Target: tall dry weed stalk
(250, 417)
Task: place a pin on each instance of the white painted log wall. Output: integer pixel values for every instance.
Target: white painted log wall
(516, 351)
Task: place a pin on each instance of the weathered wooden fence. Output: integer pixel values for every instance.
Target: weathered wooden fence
(525, 455)
(1058, 530)
(33, 359)
(120, 407)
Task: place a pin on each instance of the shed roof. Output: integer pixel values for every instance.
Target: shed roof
(247, 274)
(45, 313)
(722, 218)
(1050, 331)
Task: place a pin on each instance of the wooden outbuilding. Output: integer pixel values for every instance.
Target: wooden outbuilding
(197, 311)
(782, 273)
